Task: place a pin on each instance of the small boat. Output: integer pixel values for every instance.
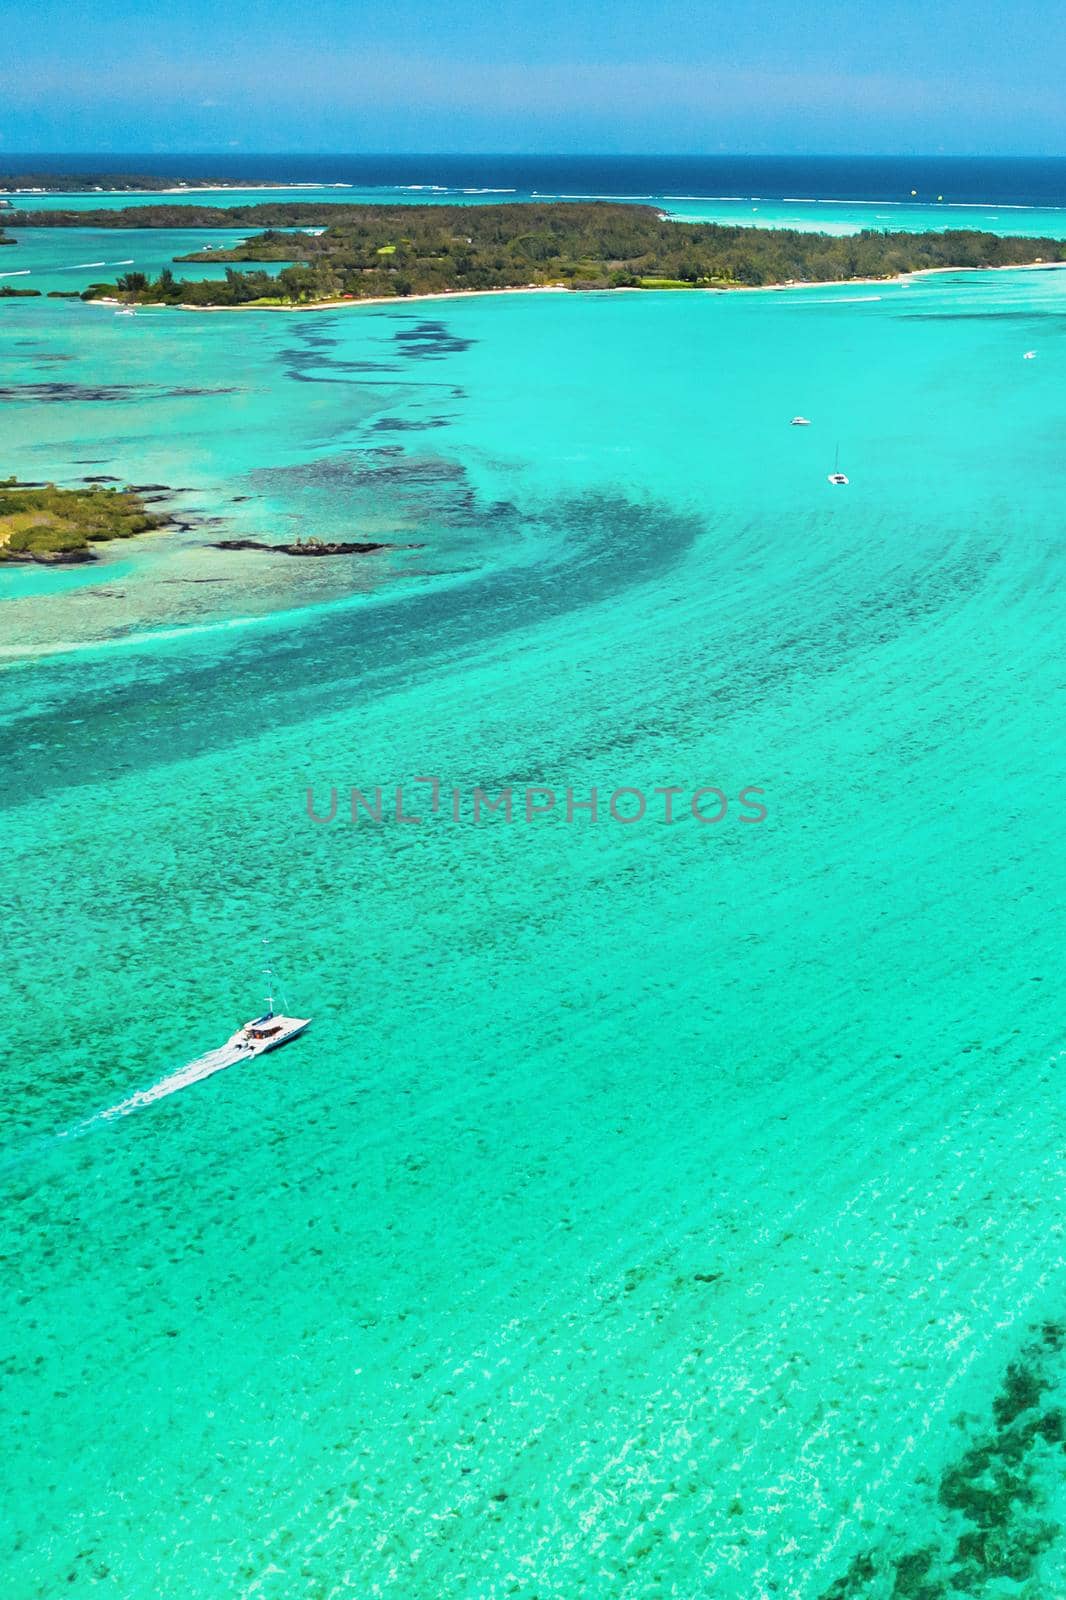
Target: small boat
(836, 476)
(801, 422)
(126, 311)
(268, 1031)
(1030, 355)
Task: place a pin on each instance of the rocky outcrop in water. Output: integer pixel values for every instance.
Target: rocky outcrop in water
(313, 547)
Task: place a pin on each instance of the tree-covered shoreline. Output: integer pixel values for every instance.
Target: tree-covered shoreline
(40, 522)
(342, 251)
(175, 214)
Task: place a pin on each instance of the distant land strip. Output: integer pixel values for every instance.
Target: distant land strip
(122, 182)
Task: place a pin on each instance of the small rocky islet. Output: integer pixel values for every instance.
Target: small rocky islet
(314, 547)
(53, 526)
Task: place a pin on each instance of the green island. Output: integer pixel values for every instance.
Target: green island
(40, 522)
(365, 252)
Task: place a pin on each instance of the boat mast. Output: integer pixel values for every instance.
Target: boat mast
(269, 979)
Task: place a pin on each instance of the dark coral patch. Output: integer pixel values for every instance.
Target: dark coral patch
(430, 341)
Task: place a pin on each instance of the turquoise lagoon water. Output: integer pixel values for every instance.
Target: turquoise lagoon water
(344, 194)
(810, 215)
(843, 217)
(69, 258)
(652, 1209)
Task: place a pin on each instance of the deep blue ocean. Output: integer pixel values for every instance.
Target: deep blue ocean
(999, 180)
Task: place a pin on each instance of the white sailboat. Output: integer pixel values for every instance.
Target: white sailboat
(836, 476)
(270, 1030)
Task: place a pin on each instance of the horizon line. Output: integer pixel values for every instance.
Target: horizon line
(550, 155)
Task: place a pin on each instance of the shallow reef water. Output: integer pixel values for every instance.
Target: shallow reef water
(654, 1207)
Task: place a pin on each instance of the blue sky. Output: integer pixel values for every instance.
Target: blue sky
(958, 76)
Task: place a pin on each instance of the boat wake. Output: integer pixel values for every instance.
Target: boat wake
(193, 1072)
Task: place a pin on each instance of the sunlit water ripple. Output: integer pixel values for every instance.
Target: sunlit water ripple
(652, 1209)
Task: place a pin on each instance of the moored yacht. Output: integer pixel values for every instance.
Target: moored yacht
(836, 476)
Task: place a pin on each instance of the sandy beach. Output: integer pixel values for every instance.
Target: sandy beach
(562, 288)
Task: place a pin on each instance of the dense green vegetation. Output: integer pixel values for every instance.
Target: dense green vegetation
(170, 214)
(375, 249)
(238, 288)
(361, 251)
(43, 523)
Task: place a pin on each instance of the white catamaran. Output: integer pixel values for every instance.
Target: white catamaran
(254, 1039)
(268, 1031)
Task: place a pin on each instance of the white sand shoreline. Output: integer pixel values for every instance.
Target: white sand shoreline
(397, 299)
(562, 288)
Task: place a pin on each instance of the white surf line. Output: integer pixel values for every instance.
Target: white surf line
(23, 272)
(80, 266)
(193, 1072)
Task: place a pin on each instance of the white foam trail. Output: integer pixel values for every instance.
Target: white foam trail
(16, 652)
(837, 300)
(995, 205)
(24, 272)
(193, 1072)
